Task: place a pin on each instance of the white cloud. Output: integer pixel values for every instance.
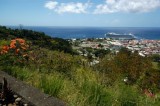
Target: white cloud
(68, 7)
(72, 8)
(51, 4)
(112, 6)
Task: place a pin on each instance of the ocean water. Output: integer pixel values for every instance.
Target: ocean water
(96, 32)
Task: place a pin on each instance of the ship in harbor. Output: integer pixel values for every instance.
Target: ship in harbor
(120, 36)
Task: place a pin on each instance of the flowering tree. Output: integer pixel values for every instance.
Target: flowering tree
(14, 53)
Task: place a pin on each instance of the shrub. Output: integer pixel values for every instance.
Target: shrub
(15, 53)
(150, 80)
(125, 64)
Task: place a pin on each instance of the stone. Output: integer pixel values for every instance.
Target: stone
(15, 96)
(25, 104)
(18, 99)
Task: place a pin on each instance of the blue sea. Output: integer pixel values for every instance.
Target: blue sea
(97, 32)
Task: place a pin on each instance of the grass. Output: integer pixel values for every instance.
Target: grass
(51, 84)
(76, 92)
(96, 95)
(81, 86)
(128, 96)
(90, 89)
(84, 89)
(155, 65)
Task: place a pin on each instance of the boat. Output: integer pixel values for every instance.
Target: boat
(120, 36)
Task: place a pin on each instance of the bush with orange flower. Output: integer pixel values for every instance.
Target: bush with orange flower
(14, 53)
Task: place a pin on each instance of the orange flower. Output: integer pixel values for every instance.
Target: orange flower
(13, 40)
(5, 48)
(12, 46)
(17, 51)
(13, 43)
(21, 41)
(4, 52)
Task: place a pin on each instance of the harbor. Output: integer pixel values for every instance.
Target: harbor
(114, 42)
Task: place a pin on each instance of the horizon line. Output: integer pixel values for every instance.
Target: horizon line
(83, 26)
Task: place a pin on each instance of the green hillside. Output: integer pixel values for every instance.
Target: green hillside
(50, 64)
(38, 39)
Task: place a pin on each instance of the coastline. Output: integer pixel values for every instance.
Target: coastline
(150, 33)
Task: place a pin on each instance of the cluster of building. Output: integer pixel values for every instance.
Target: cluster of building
(144, 47)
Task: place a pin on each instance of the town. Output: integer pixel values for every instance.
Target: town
(87, 47)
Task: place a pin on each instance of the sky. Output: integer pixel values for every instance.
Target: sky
(96, 13)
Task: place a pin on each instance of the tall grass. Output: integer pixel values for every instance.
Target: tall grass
(128, 96)
(51, 84)
(91, 92)
(85, 88)
(95, 94)
(20, 73)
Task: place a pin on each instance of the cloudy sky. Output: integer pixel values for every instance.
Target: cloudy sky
(105, 13)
